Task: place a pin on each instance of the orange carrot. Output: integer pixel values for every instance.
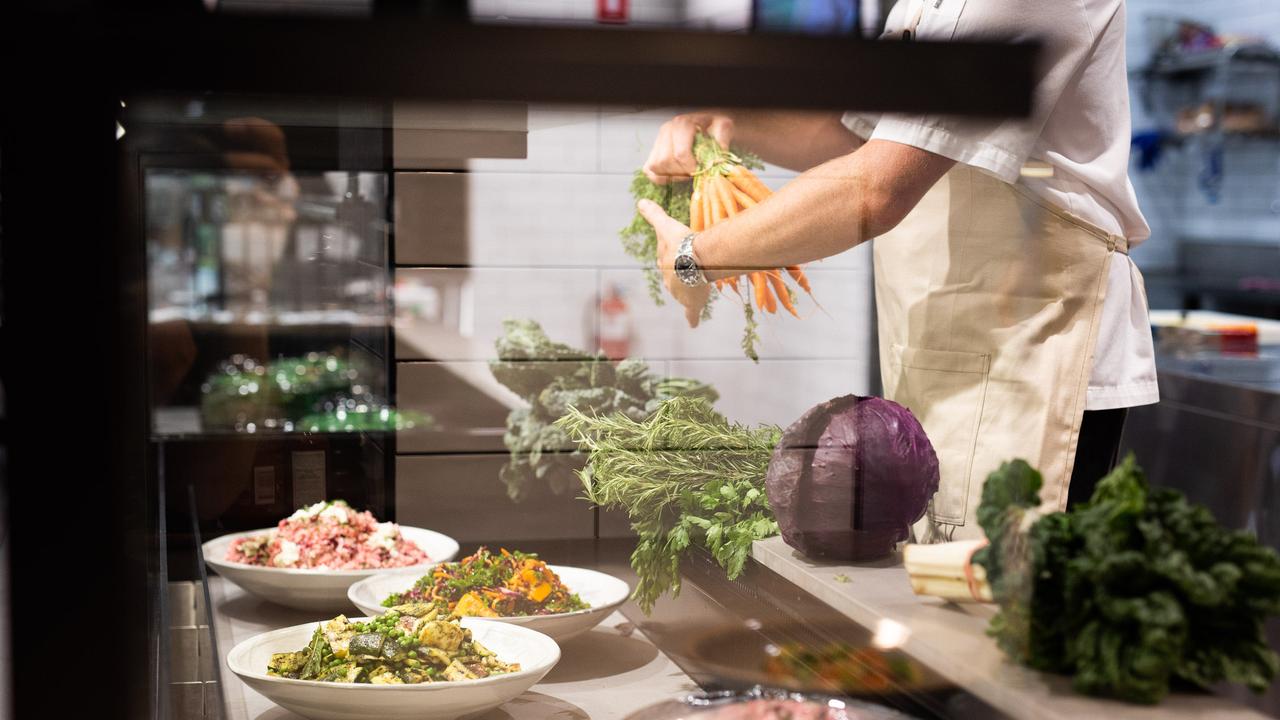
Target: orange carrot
(715, 185)
(718, 210)
(696, 221)
(708, 219)
(720, 284)
(733, 283)
(749, 183)
(798, 275)
(743, 199)
(780, 289)
(724, 187)
(764, 296)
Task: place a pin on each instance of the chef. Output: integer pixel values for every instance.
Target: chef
(1011, 320)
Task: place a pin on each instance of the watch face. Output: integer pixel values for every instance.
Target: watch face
(687, 270)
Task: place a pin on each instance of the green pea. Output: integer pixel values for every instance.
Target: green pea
(413, 653)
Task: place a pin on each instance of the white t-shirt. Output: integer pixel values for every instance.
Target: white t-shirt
(1079, 128)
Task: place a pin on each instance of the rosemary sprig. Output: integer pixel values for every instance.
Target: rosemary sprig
(684, 476)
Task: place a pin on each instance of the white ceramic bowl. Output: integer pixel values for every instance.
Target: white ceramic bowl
(535, 652)
(314, 589)
(604, 593)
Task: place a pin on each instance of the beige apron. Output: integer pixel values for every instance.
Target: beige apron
(988, 303)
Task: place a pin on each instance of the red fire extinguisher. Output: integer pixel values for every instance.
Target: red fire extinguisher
(614, 332)
(611, 11)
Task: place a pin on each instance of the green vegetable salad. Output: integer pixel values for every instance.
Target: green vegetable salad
(404, 647)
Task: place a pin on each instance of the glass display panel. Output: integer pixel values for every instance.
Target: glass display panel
(454, 333)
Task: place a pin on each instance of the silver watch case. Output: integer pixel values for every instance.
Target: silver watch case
(686, 267)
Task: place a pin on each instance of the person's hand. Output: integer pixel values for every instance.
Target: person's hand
(670, 234)
(672, 154)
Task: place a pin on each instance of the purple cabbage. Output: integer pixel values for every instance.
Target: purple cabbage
(850, 477)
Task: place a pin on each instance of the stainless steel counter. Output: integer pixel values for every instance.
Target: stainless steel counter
(1216, 438)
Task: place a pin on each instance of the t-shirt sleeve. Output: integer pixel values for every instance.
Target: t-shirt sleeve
(1000, 147)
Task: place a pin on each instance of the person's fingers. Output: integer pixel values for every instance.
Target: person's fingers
(654, 166)
(721, 128)
(693, 315)
(672, 154)
(653, 213)
(682, 162)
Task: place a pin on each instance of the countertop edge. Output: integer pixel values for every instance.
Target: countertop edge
(951, 639)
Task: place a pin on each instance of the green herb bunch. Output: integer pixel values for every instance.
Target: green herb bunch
(1132, 591)
(552, 378)
(685, 476)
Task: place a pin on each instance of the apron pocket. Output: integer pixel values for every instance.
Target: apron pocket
(946, 391)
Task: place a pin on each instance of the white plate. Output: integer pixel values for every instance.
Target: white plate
(315, 589)
(604, 593)
(535, 652)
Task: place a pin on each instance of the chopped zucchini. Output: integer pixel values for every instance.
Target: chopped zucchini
(366, 644)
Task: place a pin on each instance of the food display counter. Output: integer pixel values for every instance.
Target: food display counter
(631, 659)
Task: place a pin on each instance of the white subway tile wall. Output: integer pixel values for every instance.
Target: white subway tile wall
(538, 238)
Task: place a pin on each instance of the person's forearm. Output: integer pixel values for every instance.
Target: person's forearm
(794, 140)
(824, 211)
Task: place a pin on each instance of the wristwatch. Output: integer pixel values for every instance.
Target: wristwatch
(686, 266)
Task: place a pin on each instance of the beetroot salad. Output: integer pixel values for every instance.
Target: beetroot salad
(329, 536)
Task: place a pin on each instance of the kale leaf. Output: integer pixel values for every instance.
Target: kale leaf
(1129, 592)
(554, 377)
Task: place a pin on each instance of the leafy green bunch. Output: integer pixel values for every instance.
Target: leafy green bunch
(1134, 590)
(685, 476)
(554, 377)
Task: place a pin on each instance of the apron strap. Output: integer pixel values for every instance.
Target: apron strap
(1117, 243)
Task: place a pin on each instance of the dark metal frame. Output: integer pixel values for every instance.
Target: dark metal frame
(85, 545)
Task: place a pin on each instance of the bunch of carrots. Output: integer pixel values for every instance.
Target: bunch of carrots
(723, 190)
(722, 187)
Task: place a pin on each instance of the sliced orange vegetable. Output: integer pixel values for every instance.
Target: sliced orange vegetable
(540, 592)
(472, 605)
